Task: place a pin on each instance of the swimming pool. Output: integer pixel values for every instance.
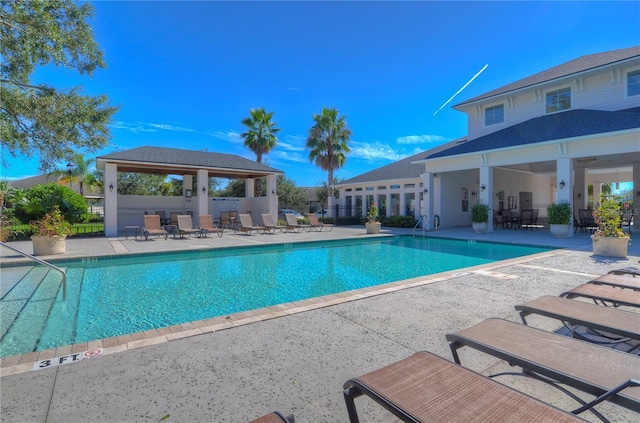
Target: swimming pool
(108, 297)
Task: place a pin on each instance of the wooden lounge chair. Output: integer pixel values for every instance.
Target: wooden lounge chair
(152, 226)
(270, 225)
(633, 271)
(293, 225)
(206, 224)
(185, 226)
(605, 325)
(316, 224)
(604, 372)
(426, 388)
(605, 295)
(275, 417)
(619, 281)
(247, 226)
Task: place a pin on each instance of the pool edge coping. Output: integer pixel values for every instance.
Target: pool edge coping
(23, 363)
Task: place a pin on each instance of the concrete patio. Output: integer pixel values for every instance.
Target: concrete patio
(296, 358)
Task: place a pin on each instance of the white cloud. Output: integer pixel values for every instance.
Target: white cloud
(132, 127)
(230, 136)
(421, 139)
(374, 152)
(289, 156)
(167, 127)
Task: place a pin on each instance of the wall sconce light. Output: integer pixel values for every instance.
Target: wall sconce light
(204, 189)
(638, 194)
(473, 193)
(562, 184)
(579, 195)
(482, 187)
(425, 190)
(273, 191)
(110, 187)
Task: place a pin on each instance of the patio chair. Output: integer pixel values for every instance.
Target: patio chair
(603, 372)
(589, 322)
(626, 220)
(426, 388)
(185, 226)
(586, 220)
(633, 271)
(526, 219)
(206, 224)
(293, 225)
(275, 417)
(152, 226)
(247, 226)
(270, 225)
(618, 281)
(173, 218)
(316, 224)
(605, 295)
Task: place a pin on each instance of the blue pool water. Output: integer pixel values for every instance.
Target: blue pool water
(117, 296)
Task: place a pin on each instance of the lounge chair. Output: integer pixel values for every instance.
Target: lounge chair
(634, 271)
(426, 388)
(293, 225)
(605, 295)
(603, 372)
(185, 226)
(275, 417)
(247, 226)
(316, 224)
(206, 224)
(618, 281)
(152, 226)
(270, 225)
(589, 322)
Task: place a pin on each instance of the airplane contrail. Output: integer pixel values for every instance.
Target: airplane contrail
(460, 90)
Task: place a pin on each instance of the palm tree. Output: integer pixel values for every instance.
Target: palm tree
(260, 136)
(78, 172)
(327, 142)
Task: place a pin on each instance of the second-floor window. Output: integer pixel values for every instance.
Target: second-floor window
(633, 83)
(493, 115)
(558, 100)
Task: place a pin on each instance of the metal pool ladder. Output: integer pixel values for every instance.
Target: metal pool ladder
(425, 227)
(45, 263)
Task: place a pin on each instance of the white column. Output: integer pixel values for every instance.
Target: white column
(635, 191)
(249, 188)
(203, 197)
(187, 184)
(564, 172)
(427, 197)
(272, 195)
(388, 211)
(486, 194)
(111, 199)
(580, 189)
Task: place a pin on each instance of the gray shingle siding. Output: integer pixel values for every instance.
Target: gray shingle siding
(188, 158)
(581, 64)
(568, 124)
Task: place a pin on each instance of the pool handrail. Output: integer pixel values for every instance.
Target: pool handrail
(426, 221)
(45, 263)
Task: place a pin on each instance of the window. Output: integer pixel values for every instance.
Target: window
(494, 114)
(558, 100)
(633, 83)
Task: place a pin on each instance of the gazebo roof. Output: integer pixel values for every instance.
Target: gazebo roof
(173, 161)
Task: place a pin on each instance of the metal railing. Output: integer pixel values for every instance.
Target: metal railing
(425, 226)
(45, 263)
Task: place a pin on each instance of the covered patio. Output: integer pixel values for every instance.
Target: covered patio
(121, 210)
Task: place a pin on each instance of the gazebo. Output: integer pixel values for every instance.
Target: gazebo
(120, 211)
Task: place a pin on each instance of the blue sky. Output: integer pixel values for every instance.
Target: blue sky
(186, 73)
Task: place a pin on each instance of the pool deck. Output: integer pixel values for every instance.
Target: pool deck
(295, 357)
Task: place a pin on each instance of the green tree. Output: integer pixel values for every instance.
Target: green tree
(327, 142)
(41, 199)
(260, 136)
(79, 174)
(130, 183)
(36, 118)
(288, 193)
(323, 189)
(235, 188)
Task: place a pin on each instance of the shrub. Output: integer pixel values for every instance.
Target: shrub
(480, 213)
(559, 214)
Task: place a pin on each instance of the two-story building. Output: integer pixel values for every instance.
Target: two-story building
(530, 143)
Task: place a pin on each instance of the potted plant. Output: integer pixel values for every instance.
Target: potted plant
(372, 224)
(559, 218)
(609, 239)
(480, 217)
(50, 233)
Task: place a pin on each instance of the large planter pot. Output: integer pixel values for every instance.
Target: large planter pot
(610, 246)
(48, 245)
(559, 230)
(480, 227)
(373, 227)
